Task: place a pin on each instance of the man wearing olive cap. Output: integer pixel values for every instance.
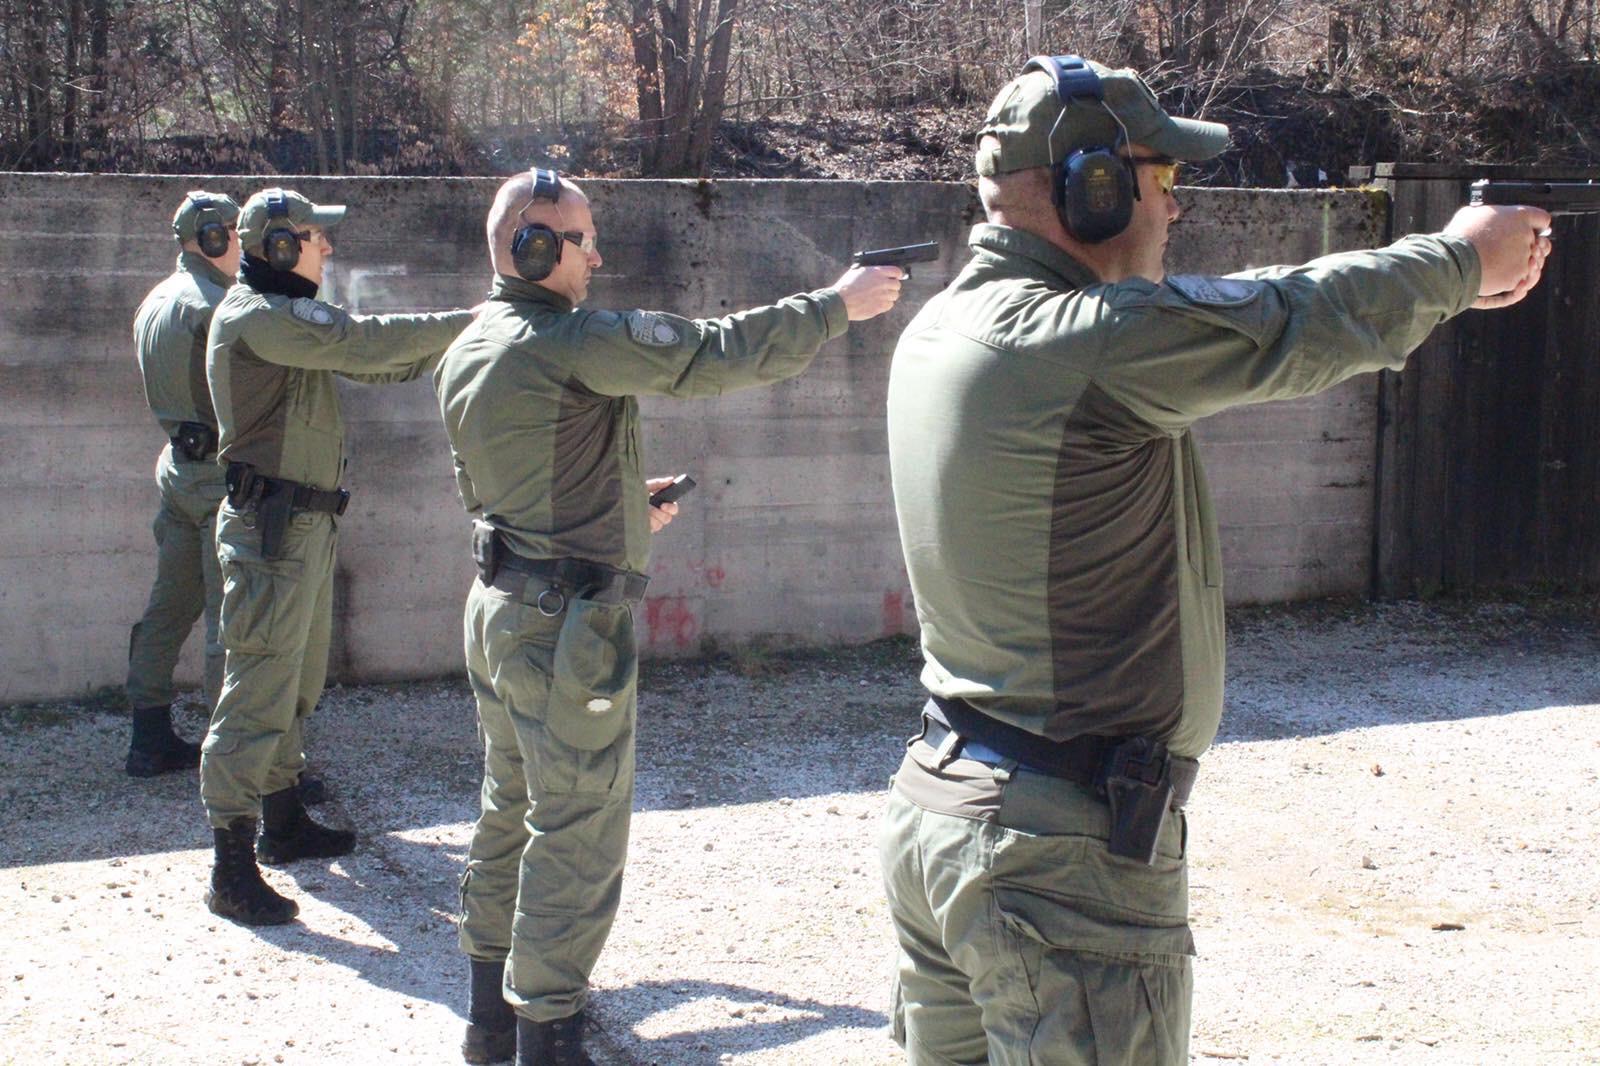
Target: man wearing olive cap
(169, 334)
(540, 401)
(1062, 548)
(273, 354)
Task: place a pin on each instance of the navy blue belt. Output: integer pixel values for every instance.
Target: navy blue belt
(956, 728)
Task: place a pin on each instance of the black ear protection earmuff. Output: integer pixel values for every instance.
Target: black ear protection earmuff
(535, 247)
(210, 232)
(1094, 188)
(280, 244)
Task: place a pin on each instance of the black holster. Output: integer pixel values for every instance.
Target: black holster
(1137, 783)
(486, 550)
(270, 502)
(273, 511)
(195, 441)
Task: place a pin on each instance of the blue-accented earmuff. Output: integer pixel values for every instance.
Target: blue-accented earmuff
(535, 247)
(1094, 187)
(280, 244)
(210, 232)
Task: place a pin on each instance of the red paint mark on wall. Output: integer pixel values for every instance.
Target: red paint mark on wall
(894, 613)
(671, 621)
(714, 576)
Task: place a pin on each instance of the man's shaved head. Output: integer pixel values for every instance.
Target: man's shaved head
(512, 209)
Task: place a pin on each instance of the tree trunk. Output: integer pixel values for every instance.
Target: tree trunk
(714, 92)
(73, 92)
(99, 52)
(647, 83)
(40, 122)
(1212, 15)
(278, 73)
(676, 103)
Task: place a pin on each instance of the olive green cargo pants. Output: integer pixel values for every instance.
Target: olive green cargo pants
(276, 623)
(1022, 939)
(556, 706)
(188, 583)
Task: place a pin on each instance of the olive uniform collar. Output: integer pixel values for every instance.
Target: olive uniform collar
(201, 267)
(1008, 243)
(518, 290)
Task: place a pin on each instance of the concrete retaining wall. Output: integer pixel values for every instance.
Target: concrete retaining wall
(792, 531)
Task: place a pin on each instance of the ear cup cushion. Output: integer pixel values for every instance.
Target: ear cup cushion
(535, 251)
(281, 248)
(1096, 195)
(212, 237)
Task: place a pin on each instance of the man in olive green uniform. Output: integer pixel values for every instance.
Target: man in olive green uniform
(274, 353)
(169, 334)
(1062, 548)
(538, 401)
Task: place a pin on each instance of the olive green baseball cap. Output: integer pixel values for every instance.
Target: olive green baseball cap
(299, 211)
(1035, 128)
(194, 210)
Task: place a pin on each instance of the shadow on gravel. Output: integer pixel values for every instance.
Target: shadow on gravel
(762, 723)
(1328, 666)
(794, 1020)
(377, 889)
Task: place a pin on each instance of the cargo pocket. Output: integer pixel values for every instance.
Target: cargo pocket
(1103, 944)
(257, 616)
(593, 674)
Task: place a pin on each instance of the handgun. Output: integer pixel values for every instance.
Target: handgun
(672, 493)
(900, 257)
(1556, 197)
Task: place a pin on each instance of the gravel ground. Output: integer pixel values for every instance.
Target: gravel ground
(1392, 861)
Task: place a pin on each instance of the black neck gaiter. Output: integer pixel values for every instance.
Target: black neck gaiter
(260, 276)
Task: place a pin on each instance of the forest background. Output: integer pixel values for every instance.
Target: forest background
(770, 88)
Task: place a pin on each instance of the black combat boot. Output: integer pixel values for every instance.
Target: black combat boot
(155, 748)
(313, 789)
(491, 1023)
(557, 1043)
(237, 890)
(288, 833)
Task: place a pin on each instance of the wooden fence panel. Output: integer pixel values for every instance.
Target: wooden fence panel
(1489, 440)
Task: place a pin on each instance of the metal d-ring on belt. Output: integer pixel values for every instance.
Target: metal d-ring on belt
(564, 579)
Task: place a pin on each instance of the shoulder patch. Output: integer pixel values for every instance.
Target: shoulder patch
(1214, 292)
(648, 327)
(312, 311)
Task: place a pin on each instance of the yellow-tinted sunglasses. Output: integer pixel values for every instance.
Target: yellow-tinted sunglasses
(1163, 168)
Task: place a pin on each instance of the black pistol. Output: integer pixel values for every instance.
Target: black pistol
(901, 257)
(1556, 197)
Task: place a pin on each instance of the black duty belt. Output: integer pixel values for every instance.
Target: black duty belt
(269, 502)
(1086, 760)
(246, 487)
(551, 581)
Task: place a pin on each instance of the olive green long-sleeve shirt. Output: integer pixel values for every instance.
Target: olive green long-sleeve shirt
(169, 334)
(271, 364)
(1057, 528)
(538, 401)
